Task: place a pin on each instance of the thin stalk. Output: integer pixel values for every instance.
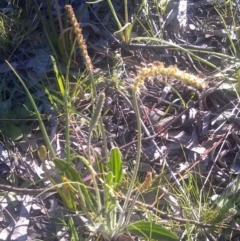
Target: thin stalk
(67, 130)
(42, 127)
(116, 18)
(51, 20)
(179, 48)
(66, 95)
(94, 120)
(114, 13)
(53, 34)
(139, 144)
(94, 90)
(228, 33)
(61, 27)
(126, 10)
(50, 34)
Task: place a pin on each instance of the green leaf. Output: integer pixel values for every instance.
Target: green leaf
(151, 230)
(13, 131)
(110, 179)
(115, 166)
(10, 115)
(67, 170)
(60, 79)
(24, 110)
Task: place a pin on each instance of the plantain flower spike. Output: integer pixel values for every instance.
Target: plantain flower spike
(157, 68)
(79, 36)
(147, 183)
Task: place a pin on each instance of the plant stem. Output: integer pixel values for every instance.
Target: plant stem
(42, 127)
(139, 144)
(116, 18)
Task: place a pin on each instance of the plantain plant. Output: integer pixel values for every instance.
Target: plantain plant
(101, 205)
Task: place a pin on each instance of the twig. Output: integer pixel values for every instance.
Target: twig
(25, 190)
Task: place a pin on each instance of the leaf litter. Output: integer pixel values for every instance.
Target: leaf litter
(193, 131)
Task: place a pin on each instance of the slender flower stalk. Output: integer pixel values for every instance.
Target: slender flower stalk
(83, 48)
(157, 68)
(138, 156)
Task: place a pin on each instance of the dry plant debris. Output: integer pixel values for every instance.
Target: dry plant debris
(196, 129)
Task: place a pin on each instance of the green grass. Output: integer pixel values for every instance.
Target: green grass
(187, 206)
